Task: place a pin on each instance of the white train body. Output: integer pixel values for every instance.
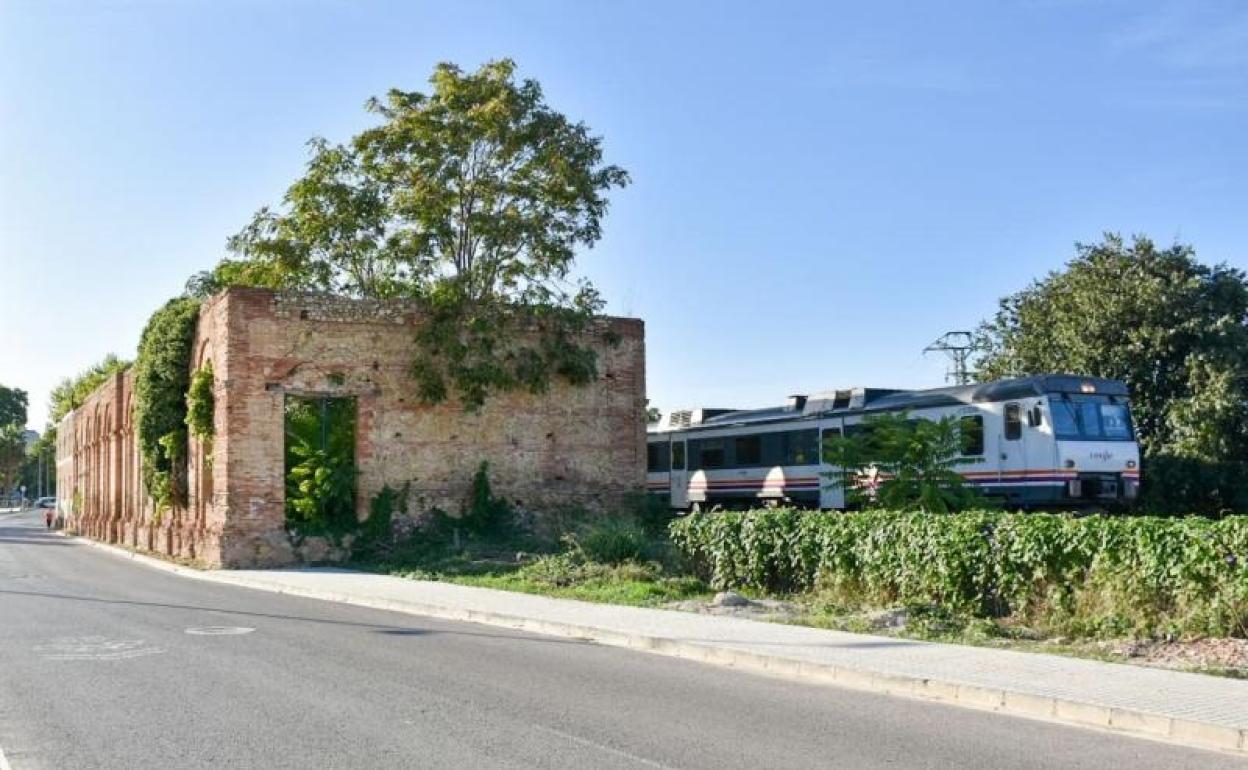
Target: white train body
(1053, 440)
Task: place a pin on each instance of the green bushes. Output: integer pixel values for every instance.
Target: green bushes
(161, 378)
(1090, 576)
(614, 540)
(320, 465)
(1181, 485)
(201, 403)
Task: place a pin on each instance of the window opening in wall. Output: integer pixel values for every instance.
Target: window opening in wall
(320, 463)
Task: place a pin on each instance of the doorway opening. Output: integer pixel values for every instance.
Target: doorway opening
(320, 464)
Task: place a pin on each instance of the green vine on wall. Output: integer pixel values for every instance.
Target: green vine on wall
(201, 404)
(477, 348)
(161, 380)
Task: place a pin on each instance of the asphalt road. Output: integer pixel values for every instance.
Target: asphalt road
(105, 663)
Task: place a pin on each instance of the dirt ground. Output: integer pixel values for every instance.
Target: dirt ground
(1228, 656)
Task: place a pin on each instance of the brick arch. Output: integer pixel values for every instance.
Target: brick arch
(204, 354)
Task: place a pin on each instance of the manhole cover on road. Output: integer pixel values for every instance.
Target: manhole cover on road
(95, 648)
(219, 630)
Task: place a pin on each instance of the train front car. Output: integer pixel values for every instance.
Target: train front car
(1097, 456)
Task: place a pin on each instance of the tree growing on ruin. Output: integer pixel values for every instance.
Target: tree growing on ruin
(473, 198)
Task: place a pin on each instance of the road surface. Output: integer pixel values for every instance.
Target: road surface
(105, 663)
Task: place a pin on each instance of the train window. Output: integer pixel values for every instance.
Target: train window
(747, 451)
(773, 449)
(972, 431)
(707, 453)
(829, 436)
(803, 447)
(678, 456)
(1013, 422)
(1035, 417)
(657, 458)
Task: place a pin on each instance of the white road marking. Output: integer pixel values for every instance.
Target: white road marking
(603, 747)
(219, 630)
(95, 648)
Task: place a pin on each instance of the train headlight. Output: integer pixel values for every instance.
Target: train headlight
(1130, 463)
(1070, 463)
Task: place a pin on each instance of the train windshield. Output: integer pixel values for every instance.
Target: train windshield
(1090, 418)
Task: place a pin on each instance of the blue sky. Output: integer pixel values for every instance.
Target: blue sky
(820, 189)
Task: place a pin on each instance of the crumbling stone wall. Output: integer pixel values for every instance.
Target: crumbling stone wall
(572, 445)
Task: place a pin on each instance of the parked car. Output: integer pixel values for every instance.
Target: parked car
(45, 502)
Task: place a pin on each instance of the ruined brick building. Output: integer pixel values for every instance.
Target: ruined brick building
(581, 445)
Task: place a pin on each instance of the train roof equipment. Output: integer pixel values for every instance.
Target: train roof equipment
(868, 400)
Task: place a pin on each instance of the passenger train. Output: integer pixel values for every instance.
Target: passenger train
(1051, 440)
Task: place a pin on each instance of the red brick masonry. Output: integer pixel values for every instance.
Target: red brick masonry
(572, 445)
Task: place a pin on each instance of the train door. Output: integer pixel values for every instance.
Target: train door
(831, 493)
(1012, 453)
(679, 475)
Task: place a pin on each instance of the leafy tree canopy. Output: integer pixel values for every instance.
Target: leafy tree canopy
(898, 463)
(472, 198)
(13, 402)
(71, 392)
(1174, 329)
(12, 453)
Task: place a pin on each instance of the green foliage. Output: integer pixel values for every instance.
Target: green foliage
(377, 531)
(1089, 576)
(1178, 484)
(40, 463)
(613, 540)
(475, 347)
(320, 465)
(651, 513)
(486, 516)
(1174, 329)
(473, 198)
(71, 392)
(895, 462)
(12, 454)
(201, 403)
(13, 402)
(161, 378)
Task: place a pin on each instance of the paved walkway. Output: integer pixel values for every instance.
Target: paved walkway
(1191, 709)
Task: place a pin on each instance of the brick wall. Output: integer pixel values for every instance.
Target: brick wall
(582, 445)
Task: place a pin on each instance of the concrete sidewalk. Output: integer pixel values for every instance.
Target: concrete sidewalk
(1189, 709)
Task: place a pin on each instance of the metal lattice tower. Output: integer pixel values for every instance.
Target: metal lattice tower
(958, 346)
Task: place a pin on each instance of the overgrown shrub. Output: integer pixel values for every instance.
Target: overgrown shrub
(201, 403)
(320, 465)
(161, 378)
(485, 515)
(613, 540)
(377, 531)
(1179, 485)
(1089, 576)
(651, 512)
